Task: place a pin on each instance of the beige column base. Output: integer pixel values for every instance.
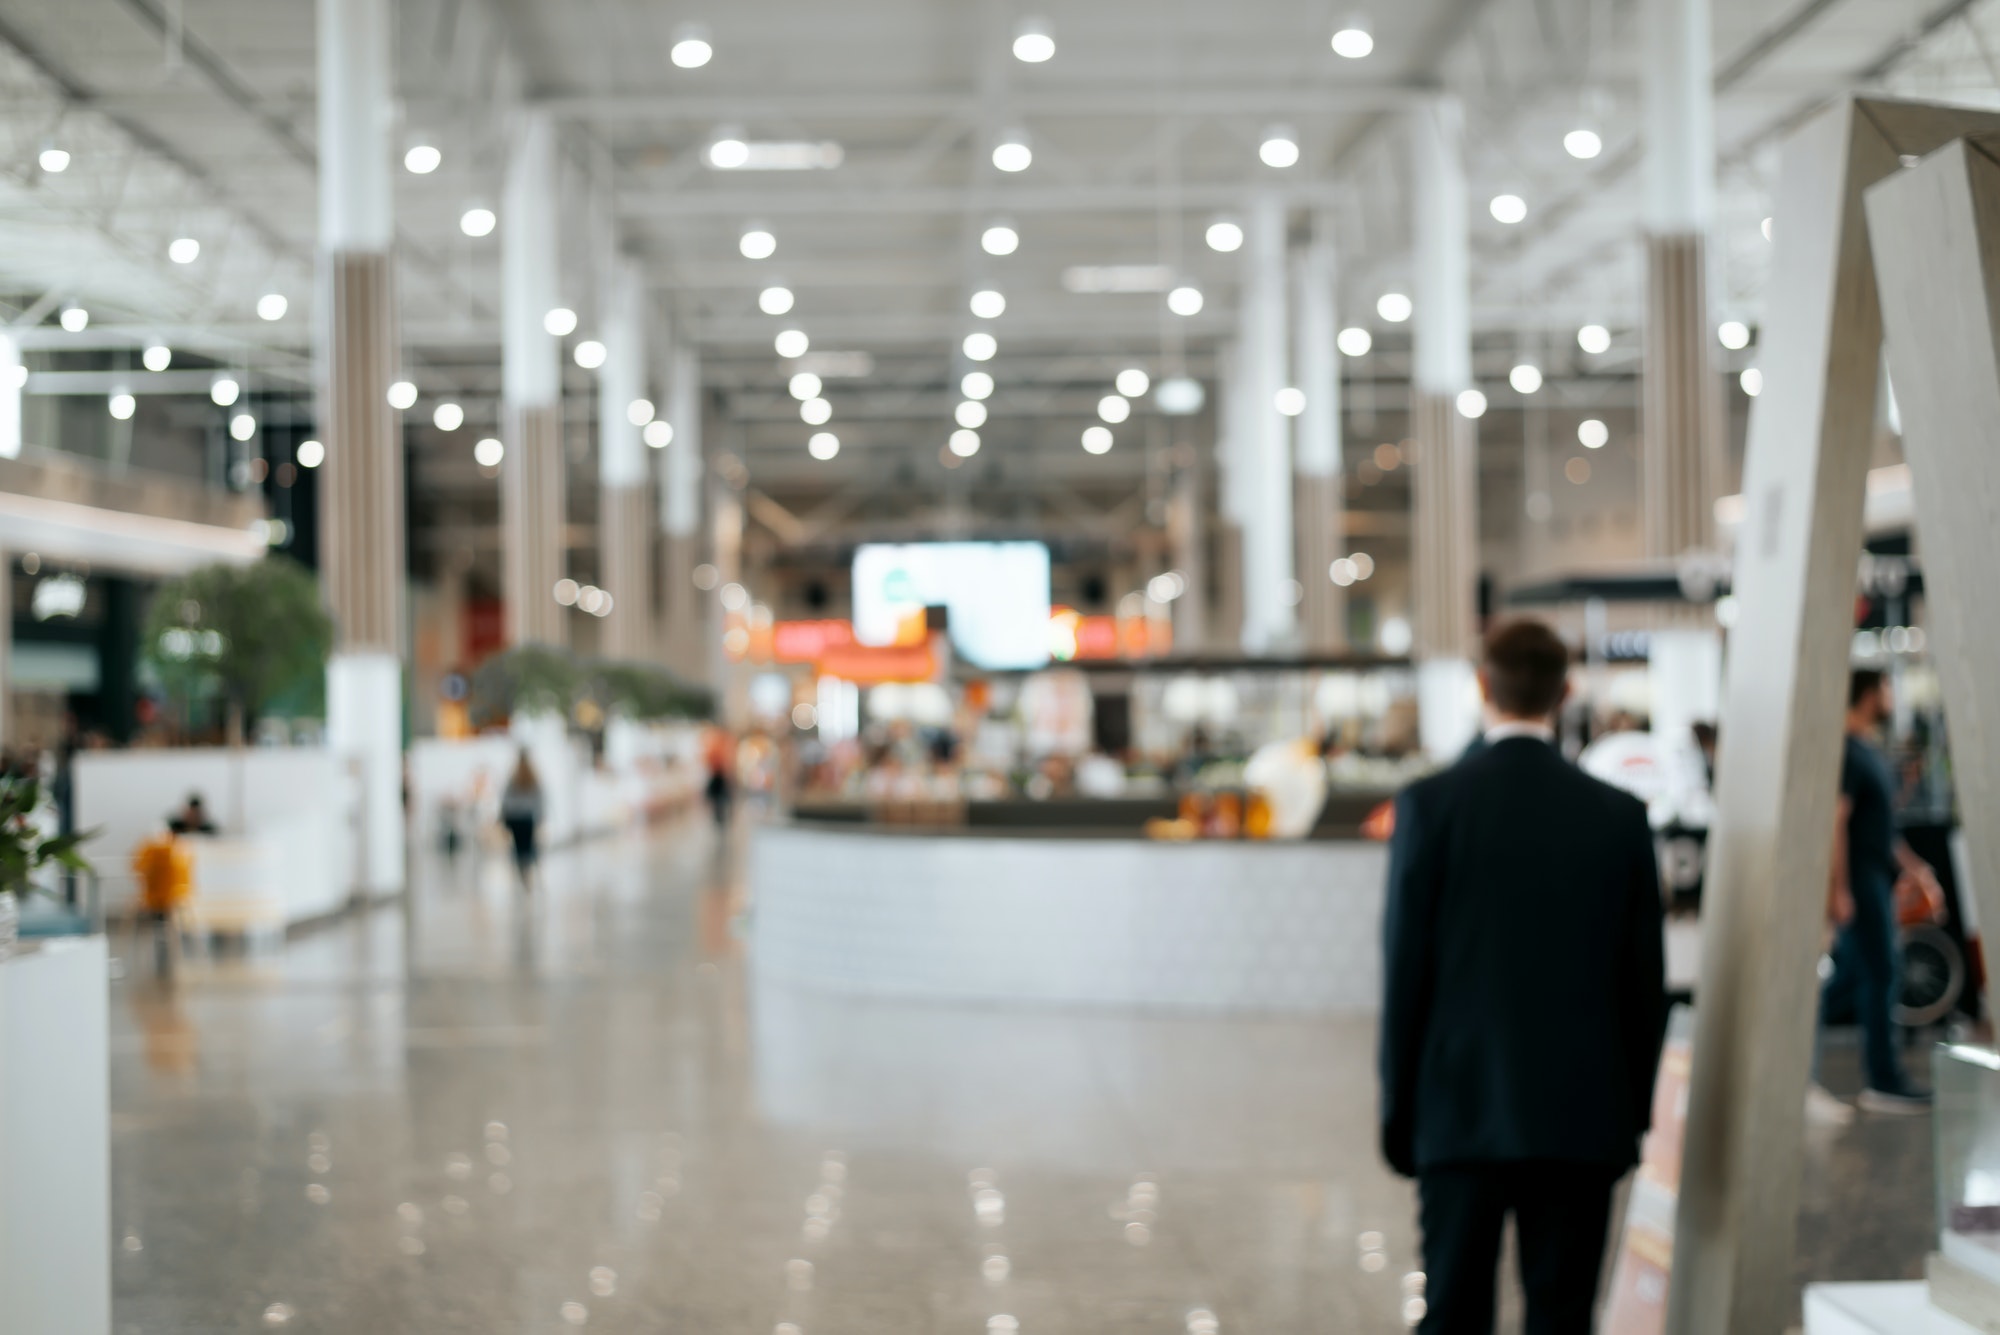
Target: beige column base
(1323, 614)
(1681, 470)
(1225, 627)
(625, 524)
(683, 627)
(532, 513)
(1444, 534)
(361, 483)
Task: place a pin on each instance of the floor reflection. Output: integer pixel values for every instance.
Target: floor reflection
(489, 1109)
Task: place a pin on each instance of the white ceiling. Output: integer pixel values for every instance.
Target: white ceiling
(196, 118)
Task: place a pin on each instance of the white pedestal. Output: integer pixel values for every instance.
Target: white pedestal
(55, 1141)
(364, 728)
(1877, 1309)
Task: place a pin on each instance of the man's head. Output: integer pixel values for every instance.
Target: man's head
(1868, 699)
(1525, 675)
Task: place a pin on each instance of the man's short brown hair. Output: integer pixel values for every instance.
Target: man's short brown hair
(1527, 665)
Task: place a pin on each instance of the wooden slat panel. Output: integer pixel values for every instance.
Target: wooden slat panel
(362, 494)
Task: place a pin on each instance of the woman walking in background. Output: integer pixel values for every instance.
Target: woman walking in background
(521, 812)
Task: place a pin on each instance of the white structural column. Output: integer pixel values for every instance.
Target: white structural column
(1682, 397)
(625, 502)
(533, 507)
(1682, 400)
(1769, 853)
(1317, 459)
(1270, 620)
(686, 630)
(1444, 537)
(361, 524)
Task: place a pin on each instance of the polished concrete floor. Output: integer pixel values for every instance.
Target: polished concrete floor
(479, 1111)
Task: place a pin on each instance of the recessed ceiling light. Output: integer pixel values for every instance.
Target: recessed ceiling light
(1353, 40)
(589, 354)
(422, 159)
(272, 306)
(1354, 341)
(1185, 301)
(448, 417)
(1012, 153)
(970, 413)
(1508, 209)
(791, 343)
(1471, 403)
(1594, 339)
(976, 385)
(1583, 143)
(775, 300)
(1280, 147)
(692, 48)
(1224, 235)
(184, 250)
(1133, 382)
(988, 304)
(757, 243)
(1395, 307)
(560, 321)
(1033, 43)
(981, 347)
(1097, 439)
(1525, 378)
(1000, 239)
(477, 221)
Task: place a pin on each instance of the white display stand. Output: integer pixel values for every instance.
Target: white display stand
(1877, 1309)
(1128, 922)
(55, 1155)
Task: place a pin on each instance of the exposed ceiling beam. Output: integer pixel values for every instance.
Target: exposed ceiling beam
(859, 200)
(1150, 100)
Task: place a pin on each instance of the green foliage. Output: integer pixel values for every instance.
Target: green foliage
(22, 850)
(247, 633)
(646, 692)
(530, 678)
(538, 678)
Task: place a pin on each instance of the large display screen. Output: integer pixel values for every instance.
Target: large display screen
(996, 595)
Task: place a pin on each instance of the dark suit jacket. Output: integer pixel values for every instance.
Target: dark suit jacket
(1525, 975)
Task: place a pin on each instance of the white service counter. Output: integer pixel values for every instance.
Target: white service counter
(1289, 927)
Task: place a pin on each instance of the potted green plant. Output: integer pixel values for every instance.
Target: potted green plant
(247, 635)
(25, 850)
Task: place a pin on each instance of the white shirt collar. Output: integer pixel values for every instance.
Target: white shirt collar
(1500, 732)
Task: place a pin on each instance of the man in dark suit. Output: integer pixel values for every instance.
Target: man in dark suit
(1525, 1003)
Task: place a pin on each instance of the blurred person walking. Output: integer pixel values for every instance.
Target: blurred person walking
(521, 813)
(1870, 861)
(720, 789)
(1525, 1003)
